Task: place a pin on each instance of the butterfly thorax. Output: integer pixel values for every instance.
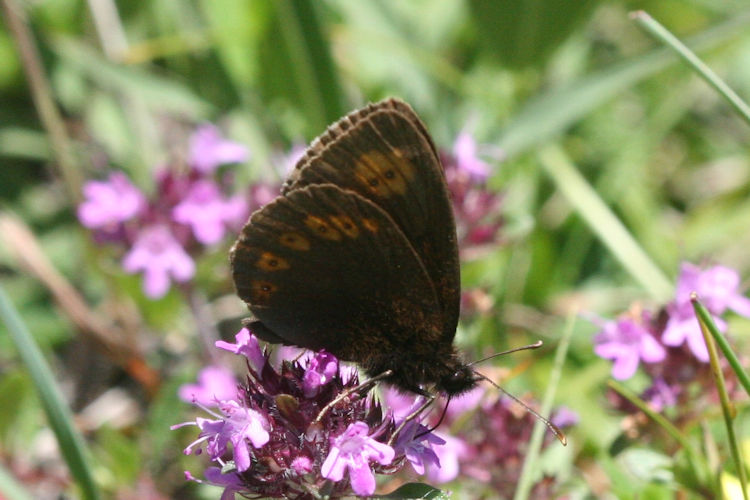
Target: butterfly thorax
(446, 374)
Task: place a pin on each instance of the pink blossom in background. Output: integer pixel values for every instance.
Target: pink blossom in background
(627, 342)
(215, 383)
(467, 159)
(717, 289)
(208, 149)
(110, 202)
(207, 213)
(161, 258)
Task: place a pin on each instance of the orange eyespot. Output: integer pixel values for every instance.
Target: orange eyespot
(295, 241)
(322, 228)
(271, 262)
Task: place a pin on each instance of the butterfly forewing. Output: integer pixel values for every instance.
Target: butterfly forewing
(325, 267)
(384, 154)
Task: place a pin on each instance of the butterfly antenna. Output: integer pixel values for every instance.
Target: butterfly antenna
(535, 345)
(552, 427)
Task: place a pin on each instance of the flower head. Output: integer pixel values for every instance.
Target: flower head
(353, 450)
(417, 445)
(290, 431)
(467, 160)
(477, 208)
(208, 213)
(108, 203)
(718, 289)
(208, 149)
(160, 256)
(628, 342)
(215, 383)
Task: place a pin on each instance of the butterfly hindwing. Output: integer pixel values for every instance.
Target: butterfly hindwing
(384, 154)
(324, 267)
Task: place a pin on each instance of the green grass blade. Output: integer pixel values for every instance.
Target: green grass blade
(314, 70)
(526, 481)
(655, 29)
(734, 362)
(727, 408)
(590, 207)
(551, 113)
(59, 417)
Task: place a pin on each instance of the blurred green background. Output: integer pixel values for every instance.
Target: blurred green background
(532, 79)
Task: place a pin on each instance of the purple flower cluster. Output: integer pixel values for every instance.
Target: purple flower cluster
(488, 444)
(188, 211)
(670, 343)
(477, 208)
(301, 431)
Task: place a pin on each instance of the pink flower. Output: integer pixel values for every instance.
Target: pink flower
(160, 256)
(627, 342)
(108, 203)
(448, 456)
(237, 425)
(320, 370)
(717, 289)
(215, 383)
(207, 213)
(208, 149)
(353, 450)
(465, 151)
(247, 345)
(416, 444)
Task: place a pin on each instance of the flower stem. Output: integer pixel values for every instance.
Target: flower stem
(655, 29)
(58, 414)
(727, 408)
(530, 467)
(705, 318)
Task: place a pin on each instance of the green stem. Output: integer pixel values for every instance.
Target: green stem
(706, 323)
(530, 468)
(58, 414)
(705, 318)
(655, 29)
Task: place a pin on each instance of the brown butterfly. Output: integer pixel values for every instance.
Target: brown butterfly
(358, 253)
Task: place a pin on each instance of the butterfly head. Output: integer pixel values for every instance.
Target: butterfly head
(459, 378)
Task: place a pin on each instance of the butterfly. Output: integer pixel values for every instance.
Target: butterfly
(358, 254)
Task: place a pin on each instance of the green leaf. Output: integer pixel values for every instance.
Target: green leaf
(418, 490)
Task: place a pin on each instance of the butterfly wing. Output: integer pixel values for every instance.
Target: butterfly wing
(384, 153)
(325, 267)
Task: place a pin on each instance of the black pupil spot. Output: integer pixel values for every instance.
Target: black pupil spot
(373, 182)
(273, 262)
(265, 288)
(389, 174)
(321, 229)
(347, 225)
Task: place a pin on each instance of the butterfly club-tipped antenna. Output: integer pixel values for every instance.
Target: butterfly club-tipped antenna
(552, 427)
(528, 347)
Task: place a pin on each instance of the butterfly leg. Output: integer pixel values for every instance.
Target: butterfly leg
(364, 386)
